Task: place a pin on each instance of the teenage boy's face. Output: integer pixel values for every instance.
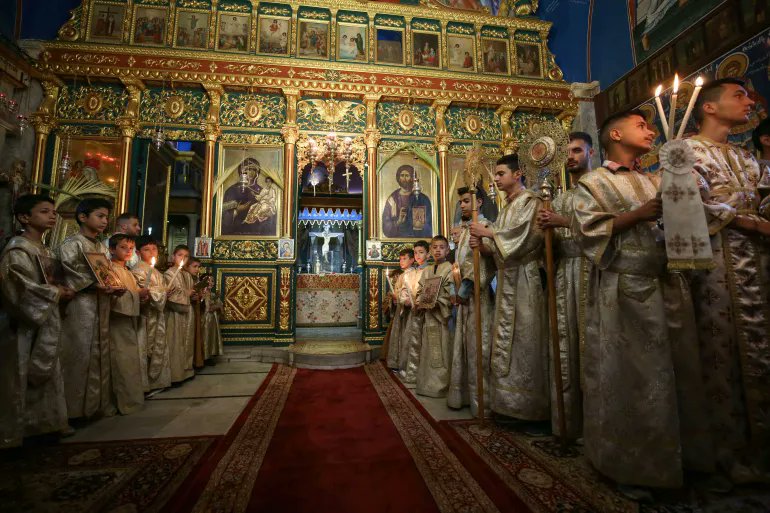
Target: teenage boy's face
(148, 252)
(420, 254)
(439, 250)
(505, 179)
(96, 220)
(405, 261)
(636, 134)
(734, 105)
(123, 251)
(466, 205)
(180, 256)
(193, 268)
(42, 216)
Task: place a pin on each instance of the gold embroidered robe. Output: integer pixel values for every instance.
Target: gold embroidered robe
(519, 379)
(85, 342)
(180, 325)
(212, 336)
(154, 318)
(31, 388)
(436, 347)
(412, 345)
(462, 383)
(401, 318)
(631, 422)
(126, 329)
(732, 301)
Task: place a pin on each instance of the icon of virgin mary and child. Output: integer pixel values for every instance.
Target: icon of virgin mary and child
(251, 208)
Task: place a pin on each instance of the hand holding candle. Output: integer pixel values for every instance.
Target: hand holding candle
(148, 280)
(176, 273)
(661, 113)
(693, 98)
(672, 108)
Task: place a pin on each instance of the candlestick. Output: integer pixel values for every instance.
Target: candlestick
(672, 108)
(661, 113)
(693, 98)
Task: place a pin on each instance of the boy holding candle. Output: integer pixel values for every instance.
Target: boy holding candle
(195, 350)
(85, 348)
(153, 314)
(126, 330)
(402, 313)
(212, 337)
(179, 316)
(409, 358)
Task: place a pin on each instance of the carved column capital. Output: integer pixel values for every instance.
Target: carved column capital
(128, 126)
(443, 142)
(211, 131)
(372, 138)
(42, 123)
(290, 134)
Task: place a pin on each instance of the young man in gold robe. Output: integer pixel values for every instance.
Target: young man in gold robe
(462, 386)
(153, 314)
(436, 347)
(85, 347)
(32, 392)
(126, 330)
(571, 280)
(180, 327)
(409, 359)
(212, 337)
(732, 301)
(403, 289)
(519, 379)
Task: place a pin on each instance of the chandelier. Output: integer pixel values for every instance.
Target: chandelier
(329, 151)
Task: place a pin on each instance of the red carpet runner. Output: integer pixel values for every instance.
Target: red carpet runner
(335, 442)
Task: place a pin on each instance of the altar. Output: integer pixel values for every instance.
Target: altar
(328, 299)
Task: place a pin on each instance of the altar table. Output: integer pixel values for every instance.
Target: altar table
(328, 299)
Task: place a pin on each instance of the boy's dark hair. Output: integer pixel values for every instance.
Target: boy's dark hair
(421, 244)
(406, 251)
(612, 121)
(180, 247)
(512, 161)
(125, 216)
(582, 136)
(88, 205)
(25, 203)
(479, 193)
(440, 238)
(711, 92)
(762, 129)
(146, 240)
(192, 260)
(118, 237)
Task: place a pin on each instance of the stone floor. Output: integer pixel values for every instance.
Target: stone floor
(209, 404)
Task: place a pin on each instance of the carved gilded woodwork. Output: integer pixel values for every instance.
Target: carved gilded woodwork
(174, 106)
(473, 123)
(391, 250)
(245, 110)
(391, 119)
(245, 250)
(324, 115)
(251, 138)
(286, 279)
(374, 298)
(246, 298)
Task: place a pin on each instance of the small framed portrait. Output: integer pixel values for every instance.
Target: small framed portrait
(528, 63)
(426, 49)
(495, 56)
(233, 31)
(722, 29)
(107, 23)
(102, 269)
(691, 48)
(374, 250)
(273, 35)
(313, 39)
(390, 46)
(286, 249)
(249, 208)
(150, 25)
(352, 42)
(202, 247)
(192, 29)
(406, 214)
(616, 97)
(461, 52)
(638, 85)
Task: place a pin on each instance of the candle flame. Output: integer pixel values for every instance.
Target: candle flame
(699, 82)
(181, 264)
(676, 83)
(152, 262)
(658, 90)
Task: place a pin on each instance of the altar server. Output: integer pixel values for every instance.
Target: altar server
(404, 289)
(409, 358)
(180, 327)
(212, 337)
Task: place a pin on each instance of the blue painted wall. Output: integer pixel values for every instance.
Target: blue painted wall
(611, 52)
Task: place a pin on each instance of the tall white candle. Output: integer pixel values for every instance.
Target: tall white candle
(149, 274)
(661, 113)
(176, 273)
(672, 108)
(693, 98)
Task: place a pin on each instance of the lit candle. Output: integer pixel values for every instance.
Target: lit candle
(672, 108)
(148, 280)
(693, 98)
(176, 273)
(661, 113)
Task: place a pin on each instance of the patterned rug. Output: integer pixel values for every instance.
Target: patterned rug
(323, 347)
(118, 477)
(548, 481)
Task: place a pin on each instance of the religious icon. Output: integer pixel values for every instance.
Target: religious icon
(313, 39)
(94, 158)
(690, 49)
(102, 269)
(406, 210)
(52, 270)
(461, 52)
(250, 191)
(192, 29)
(107, 23)
(755, 12)
(352, 42)
(286, 249)
(528, 60)
(638, 85)
(150, 26)
(390, 46)
(273, 35)
(430, 291)
(426, 49)
(233, 32)
(202, 247)
(722, 29)
(373, 250)
(617, 96)
(495, 56)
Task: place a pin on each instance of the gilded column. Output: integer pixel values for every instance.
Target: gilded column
(509, 143)
(128, 129)
(372, 138)
(443, 141)
(290, 133)
(211, 132)
(43, 120)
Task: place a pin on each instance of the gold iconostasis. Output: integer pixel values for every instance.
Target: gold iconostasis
(221, 122)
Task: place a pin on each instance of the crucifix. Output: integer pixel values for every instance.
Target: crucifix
(347, 174)
(327, 235)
